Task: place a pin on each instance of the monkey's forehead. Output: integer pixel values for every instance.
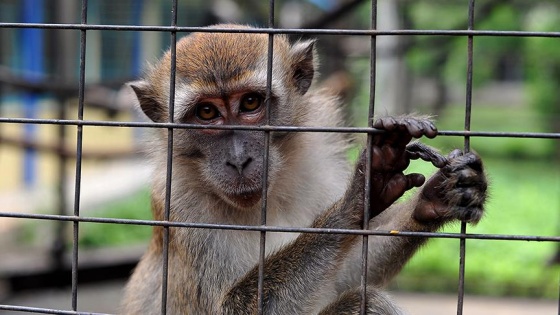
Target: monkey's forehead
(211, 57)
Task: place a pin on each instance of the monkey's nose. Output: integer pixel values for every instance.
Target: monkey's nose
(239, 164)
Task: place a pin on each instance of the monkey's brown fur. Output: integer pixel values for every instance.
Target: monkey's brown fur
(217, 176)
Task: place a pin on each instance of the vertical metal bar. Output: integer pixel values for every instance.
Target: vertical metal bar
(367, 185)
(168, 179)
(468, 107)
(262, 244)
(462, 253)
(79, 146)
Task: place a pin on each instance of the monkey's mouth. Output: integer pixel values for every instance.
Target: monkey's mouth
(247, 198)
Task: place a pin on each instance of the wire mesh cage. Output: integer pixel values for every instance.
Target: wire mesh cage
(112, 40)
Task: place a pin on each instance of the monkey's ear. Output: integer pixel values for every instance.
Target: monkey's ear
(147, 101)
(303, 66)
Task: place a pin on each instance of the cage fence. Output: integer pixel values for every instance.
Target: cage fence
(168, 33)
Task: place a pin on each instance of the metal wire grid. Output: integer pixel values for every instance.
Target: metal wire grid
(173, 29)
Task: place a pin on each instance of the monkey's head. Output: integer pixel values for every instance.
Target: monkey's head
(221, 79)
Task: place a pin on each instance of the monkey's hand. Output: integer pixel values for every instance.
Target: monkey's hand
(390, 157)
(456, 191)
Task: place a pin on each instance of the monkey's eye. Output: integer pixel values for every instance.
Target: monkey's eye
(250, 102)
(206, 111)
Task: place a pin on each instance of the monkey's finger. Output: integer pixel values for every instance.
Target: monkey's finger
(419, 127)
(465, 161)
(386, 159)
(417, 150)
(385, 123)
(415, 127)
(400, 183)
(396, 187)
(386, 191)
(415, 180)
(437, 161)
(430, 129)
(454, 154)
(395, 131)
(377, 158)
(400, 125)
(397, 137)
(400, 130)
(453, 161)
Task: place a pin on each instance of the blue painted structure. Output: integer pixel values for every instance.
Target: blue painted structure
(32, 66)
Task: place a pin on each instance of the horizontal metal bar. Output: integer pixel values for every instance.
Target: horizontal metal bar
(189, 29)
(260, 228)
(500, 134)
(99, 123)
(44, 310)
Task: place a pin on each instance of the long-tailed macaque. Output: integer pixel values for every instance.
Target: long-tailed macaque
(217, 177)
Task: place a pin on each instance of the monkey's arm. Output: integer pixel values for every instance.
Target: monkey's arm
(299, 271)
(456, 192)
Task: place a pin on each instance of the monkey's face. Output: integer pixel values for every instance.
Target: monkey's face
(221, 79)
(230, 162)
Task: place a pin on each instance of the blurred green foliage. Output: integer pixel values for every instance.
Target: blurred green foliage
(501, 119)
(110, 234)
(543, 66)
(534, 62)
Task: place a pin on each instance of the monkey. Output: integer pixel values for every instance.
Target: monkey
(217, 177)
